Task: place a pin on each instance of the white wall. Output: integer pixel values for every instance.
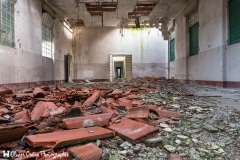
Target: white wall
(24, 63)
(95, 44)
(233, 63)
(209, 63)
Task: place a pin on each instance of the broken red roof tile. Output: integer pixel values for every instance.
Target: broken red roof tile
(86, 91)
(160, 121)
(132, 96)
(22, 95)
(127, 105)
(86, 152)
(3, 110)
(73, 112)
(2, 99)
(68, 137)
(38, 92)
(77, 104)
(4, 120)
(11, 133)
(136, 103)
(117, 92)
(175, 157)
(87, 121)
(108, 110)
(138, 112)
(100, 87)
(125, 100)
(57, 111)
(21, 117)
(48, 99)
(145, 120)
(5, 91)
(115, 119)
(90, 101)
(143, 88)
(37, 111)
(131, 130)
(164, 113)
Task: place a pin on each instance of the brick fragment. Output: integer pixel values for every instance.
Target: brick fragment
(37, 111)
(38, 92)
(11, 133)
(5, 91)
(21, 117)
(108, 110)
(3, 111)
(90, 101)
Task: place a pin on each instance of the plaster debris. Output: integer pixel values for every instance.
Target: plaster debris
(146, 118)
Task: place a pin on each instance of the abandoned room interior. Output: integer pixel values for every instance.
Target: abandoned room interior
(120, 79)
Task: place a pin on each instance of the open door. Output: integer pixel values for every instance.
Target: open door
(67, 68)
(120, 67)
(128, 67)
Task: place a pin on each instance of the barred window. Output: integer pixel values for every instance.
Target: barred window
(47, 24)
(7, 23)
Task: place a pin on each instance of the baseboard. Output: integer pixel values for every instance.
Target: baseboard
(31, 84)
(94, 80)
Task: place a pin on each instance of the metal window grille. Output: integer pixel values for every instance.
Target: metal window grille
(47, 24)
(7, 36)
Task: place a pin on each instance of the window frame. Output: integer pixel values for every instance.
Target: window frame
(46, 42)
(233, 24)
(194, 42)
(172, 51)
(7, 23)
(47, 38)
(193, 24)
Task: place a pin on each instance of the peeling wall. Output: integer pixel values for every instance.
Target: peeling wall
(209, 64)
(95, 44)
(24, 63)
(62, 38)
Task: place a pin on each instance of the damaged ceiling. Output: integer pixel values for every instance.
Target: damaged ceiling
(121, 13)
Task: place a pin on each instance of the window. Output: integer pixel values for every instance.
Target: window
(172, 50)
(46, 42)
(7, 23)
(193, 32)
(47, 24)
(234, 21)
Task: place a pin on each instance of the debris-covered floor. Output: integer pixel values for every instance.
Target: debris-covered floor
(141, 119)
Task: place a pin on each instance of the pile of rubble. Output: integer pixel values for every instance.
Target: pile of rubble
(140, 119)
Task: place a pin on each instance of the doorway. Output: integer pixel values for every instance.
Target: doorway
(67, 67)
(120, 67)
